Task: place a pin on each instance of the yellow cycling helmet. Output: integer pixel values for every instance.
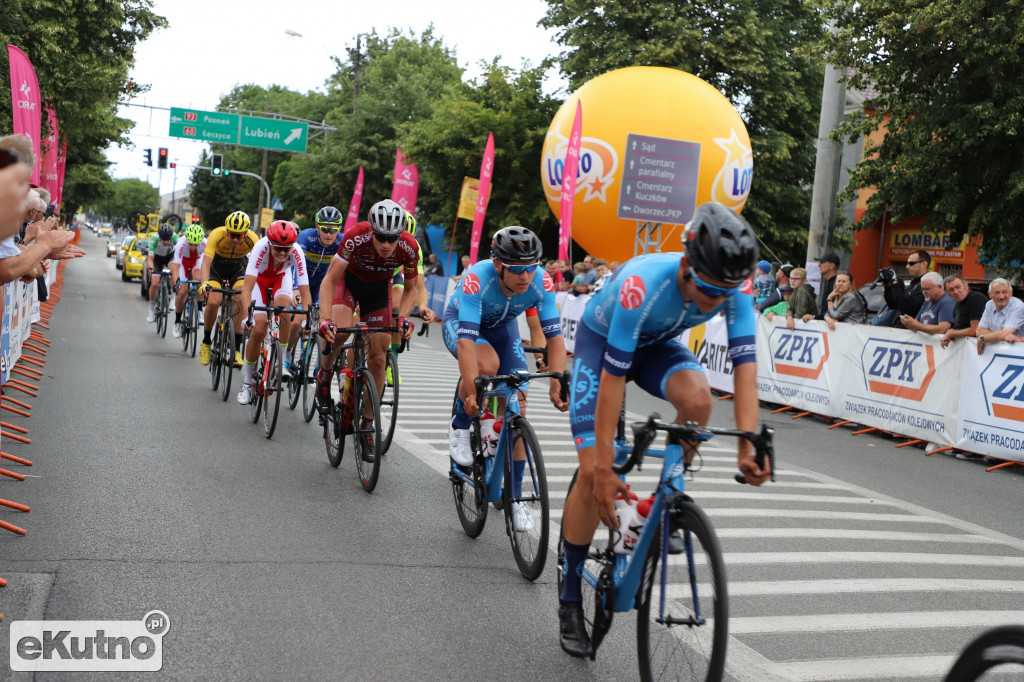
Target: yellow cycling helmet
(238, 222)
(410, 223)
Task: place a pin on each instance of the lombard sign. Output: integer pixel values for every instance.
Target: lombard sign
(798, 353)
(902, 369)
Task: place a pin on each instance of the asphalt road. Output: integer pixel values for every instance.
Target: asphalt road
(148, 492)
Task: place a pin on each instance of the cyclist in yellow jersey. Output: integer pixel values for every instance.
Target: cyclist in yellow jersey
(398, 285)
(227, 251)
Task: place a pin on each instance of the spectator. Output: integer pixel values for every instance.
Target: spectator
(970, 306)
(763, 282)
(464, 264)
(845, 304)
(781, 277)
(783, 305)
(828, 265)
(936, 313)
(586, 281)
(1003, 319)
(611, 266)
(906, 300)
(567, 277)
(433, 267)
(802, 305)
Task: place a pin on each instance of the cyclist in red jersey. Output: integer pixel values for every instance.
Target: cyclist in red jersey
(360, 275)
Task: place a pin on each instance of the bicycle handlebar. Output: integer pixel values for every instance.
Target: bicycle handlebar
(515, 379)
(645, 432)
(362, 329)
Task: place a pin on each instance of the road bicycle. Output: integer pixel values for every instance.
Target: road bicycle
(190, 317)
(355, 393)
(999, 650)
(682, 603)
(305, 361)
(490, 478)
(163, 302)
(222, 348)
(266, 396)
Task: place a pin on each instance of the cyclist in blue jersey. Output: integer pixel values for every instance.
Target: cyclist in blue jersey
(318, 244)
(481, 330)
(630, 330)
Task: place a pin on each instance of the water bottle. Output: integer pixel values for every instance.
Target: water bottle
(488, 433)
(347, 401)
(625, 512)
(631, 534)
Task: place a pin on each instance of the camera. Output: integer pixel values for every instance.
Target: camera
(886, 276)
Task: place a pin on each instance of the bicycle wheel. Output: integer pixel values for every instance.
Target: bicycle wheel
(294, 384)
(470, 496)
(389, 401)
(1002, 646)
(526, 514)
(334, 436)
(310, 366)
(192, 325)
(684, 645)
(366, 443)
(227, 357)
(163, 307)
(272, 391)
(215, 357)
(159, 309)
(186, 333)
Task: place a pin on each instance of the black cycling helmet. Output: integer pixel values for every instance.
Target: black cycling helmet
(165, 232)
(516, 245)
(328, 215)
(720, 244)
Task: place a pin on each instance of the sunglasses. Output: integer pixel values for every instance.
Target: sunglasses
(520, 269)
(329, 230)
(279, 249)
(387, 239)
(235, 235)
(709, 290)
(914, 262)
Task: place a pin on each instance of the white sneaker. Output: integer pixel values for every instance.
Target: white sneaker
(176, 332)
(245, 394)
(521, 518)
(286, 371)
(151, 315)
(459, 447)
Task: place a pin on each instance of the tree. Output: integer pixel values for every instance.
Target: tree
(949, 78)
(761, 54)
(127, 196)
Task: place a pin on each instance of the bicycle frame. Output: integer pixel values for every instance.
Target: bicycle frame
(495, 475)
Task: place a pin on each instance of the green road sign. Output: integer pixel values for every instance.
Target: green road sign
(268, 133)
(207, 126)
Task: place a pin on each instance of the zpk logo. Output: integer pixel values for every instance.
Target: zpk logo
(798, 353)
(898, 368)
(1003, 383)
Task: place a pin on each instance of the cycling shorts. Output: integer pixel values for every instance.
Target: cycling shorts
(277, 285)
(372, 298)
(230, 271)
(504, 339)
(652, 366)
(187, 266)
(161, 262)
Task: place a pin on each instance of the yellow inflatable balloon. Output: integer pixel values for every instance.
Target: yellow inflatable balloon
(656, 144)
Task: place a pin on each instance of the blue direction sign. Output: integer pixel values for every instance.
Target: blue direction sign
(277, 205)
(659, 180)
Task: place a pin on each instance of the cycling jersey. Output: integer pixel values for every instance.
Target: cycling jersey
(219, 245)
(188, 256)
(362, 260)
(263, 267)
(318, 258)
(398, 279)
(159, 249)
(641, 305)
(479, 302)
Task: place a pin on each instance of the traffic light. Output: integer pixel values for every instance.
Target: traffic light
(174, 165)
(217, 164)
(149, 157)
(161, 161)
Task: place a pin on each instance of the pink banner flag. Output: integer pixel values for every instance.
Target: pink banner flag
(407, 183)
(25, 101)
(486, 170)
(572, 163)
(60, 171)
(357, 200)
(48, 174)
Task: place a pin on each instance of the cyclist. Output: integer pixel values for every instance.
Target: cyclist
(419, 285)
(224, 261)
(268, 277)
(360, 274)
(186, 264)
(630, 330)
(161, 250)
(481, 330)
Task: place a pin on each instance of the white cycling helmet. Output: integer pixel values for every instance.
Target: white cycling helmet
(387, 218)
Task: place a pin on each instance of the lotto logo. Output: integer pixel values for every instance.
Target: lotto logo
(470, 284)
(632, 294)
(548, 284)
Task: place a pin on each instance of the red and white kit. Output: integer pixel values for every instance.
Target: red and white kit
(270, 276)
(188, 256)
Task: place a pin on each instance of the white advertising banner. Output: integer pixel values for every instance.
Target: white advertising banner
(794, 367)
(710, 343)
(991, 415)
(571, 313)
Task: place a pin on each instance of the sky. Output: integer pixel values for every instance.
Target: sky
(212, 45)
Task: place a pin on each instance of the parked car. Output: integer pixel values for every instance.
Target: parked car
(114, 243)
(135, 259)
(122, 250)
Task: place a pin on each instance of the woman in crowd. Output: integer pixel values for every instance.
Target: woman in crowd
(845, 304)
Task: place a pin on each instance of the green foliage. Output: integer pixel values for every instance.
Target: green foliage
(82, 51)
(949, 78)
(761, 54)
(125, 197)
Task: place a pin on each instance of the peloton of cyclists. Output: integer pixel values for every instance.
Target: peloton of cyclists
(186, 264)
(161, 251)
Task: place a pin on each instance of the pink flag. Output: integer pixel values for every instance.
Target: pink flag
(357, 200)
(25, 100)
(486, 170)
(407, 183)
(60, 171)
(48, 178)
(572, 162)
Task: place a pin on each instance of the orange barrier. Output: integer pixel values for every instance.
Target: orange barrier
(15, 410)
(12, 436)
(15, 506)
(19, 460)
(14, 529)
(27, 372)
(17, 402)
(19, 429)
(840, 423)
(11, 474)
